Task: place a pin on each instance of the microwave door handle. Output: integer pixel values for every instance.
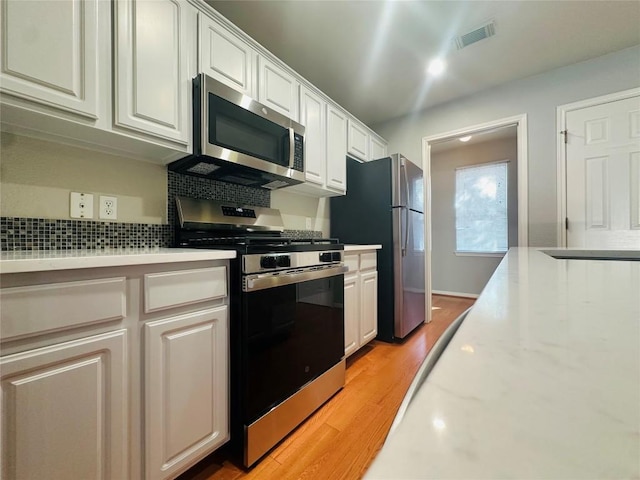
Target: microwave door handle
(292, 147)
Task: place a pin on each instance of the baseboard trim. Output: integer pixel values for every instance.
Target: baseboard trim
(454, 294)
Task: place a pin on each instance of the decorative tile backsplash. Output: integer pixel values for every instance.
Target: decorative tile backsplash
(49, 234)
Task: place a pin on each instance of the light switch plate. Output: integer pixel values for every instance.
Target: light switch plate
(81, 205)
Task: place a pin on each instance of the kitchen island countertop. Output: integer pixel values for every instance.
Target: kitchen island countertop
(48, 260)
(541, 381)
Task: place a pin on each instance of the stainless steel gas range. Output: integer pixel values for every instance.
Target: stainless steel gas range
(287, 318)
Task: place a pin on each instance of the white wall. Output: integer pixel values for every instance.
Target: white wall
(37, 177)
(537, 96)
(465, 274)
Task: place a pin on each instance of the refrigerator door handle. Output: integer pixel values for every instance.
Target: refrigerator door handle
(403, 170)
(406, 231)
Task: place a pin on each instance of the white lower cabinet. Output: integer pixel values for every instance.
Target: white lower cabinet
(360, 301)
(65, 410)
(186, 394)
(114, 372)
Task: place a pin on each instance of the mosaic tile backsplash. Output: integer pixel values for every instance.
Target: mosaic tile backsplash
(48, 234)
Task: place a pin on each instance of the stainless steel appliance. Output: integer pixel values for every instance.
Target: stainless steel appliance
(384, 205)
(287, 318)
(238, 140)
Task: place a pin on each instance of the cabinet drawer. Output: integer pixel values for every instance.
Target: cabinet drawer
(368, 260)
(173, 289)
(352, 262)
(32, 310)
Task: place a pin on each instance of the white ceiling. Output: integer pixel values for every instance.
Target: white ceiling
(370, 56)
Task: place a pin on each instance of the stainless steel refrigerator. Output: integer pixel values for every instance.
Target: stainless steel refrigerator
(384, 205)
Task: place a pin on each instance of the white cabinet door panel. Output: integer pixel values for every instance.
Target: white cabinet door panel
(64, 410)
(312, 112)
(358, 141)
(351, 314)
(277, 89)
(377, 148)
(336, 149)
(369, 312)
(226, 57)
(186, 386)
(154, 57)
(50, 53)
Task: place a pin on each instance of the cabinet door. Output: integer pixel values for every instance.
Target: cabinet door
(186, 390)
(312, 111)
(277, 88)
(154, 60)
(64, 410)
(377, 148)
(358, 140)
(226, 57)
(369, 308)
(336, 149)
(50, 53)
(351, 314)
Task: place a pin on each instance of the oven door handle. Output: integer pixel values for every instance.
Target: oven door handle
(262, 281)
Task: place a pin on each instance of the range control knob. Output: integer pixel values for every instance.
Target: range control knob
(283, 261)
(268, 261)
(325, 257)
(336, 256)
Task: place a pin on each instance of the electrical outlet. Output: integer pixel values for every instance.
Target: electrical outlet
(81, 205)
(308, 223)
(108, 208)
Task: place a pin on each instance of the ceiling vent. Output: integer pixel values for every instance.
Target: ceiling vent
(485, 31)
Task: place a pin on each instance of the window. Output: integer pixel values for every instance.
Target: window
(481, 208)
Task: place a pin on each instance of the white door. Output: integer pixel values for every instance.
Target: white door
(277, 89)
(603, 175)
(369, 310)
(351, 314)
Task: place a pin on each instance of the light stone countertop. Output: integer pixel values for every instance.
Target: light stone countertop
(359, 248)
(541, 381)
(49, 260)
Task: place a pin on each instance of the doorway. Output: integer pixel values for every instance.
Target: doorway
(599, 172)
(519, 123)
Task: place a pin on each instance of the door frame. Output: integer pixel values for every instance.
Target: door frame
(561, 162)
(520, 122)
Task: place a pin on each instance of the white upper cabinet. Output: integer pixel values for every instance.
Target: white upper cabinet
(377, 147)
(336, 149)
(325, 146)
(226, 57)
(312, 116)
(277, 88)
(50, 53)
(358, 140)
(154, 59)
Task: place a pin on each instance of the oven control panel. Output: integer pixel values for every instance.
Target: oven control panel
(264, 262)
(275, 261)
(330, 256)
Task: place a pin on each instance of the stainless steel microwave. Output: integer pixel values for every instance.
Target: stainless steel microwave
(238, 140)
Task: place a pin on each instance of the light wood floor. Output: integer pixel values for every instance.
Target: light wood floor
(340, 440)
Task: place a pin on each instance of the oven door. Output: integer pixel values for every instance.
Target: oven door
(293, 328)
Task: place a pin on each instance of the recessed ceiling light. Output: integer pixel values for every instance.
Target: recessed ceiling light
(436, 67)
(465, 139)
